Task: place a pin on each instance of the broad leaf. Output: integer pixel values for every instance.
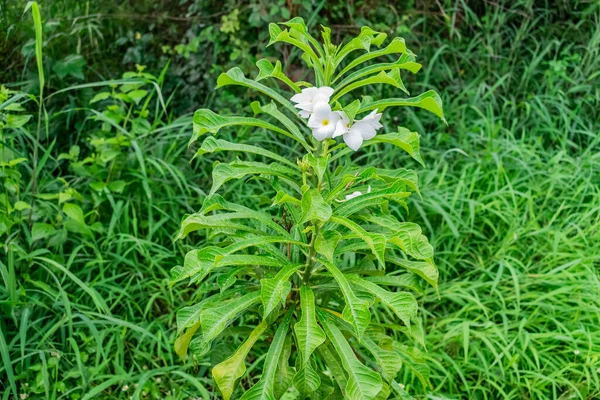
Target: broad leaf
(363, 41)
(264, 388)
(229, 371)
(268, 70)
(387, 359)
(326, 242)
(356, 311)
(196, 222)
(183, 342)
(408, 281)
(390, 78)
(405, 62)
(375, 241)
(430, 101)
(223, 173)
(272, 110)
(235, 76)
(396, 191)
(408, 236)
(363, 383)
(314, 207)
(274, 290)
(403, 304)
(424, 269)
(213, 145)
(214, 320)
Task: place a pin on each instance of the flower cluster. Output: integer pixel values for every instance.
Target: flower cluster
(325, 123)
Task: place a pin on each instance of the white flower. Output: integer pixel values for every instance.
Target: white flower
(125, 388)
(356, 194)
(322, 121)
(361, 130)
(309, 97)
(576, 352)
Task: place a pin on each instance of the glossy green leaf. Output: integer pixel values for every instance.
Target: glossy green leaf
(363, 41)
(272, 110)
(274, 290)
(408, 281)
(375, 241)
(326, 242)
(215, 319)
(405, 62)
(403, 304)
(396, 191)
(223, 173)
(389, 78)
(235, 76)
(227, 373)
(314, 207)
(182, 342)
(268, 70)
(396, 46)
(430, 101)
(386, 358)
(424, 269)
(212, 145)
(356, 311)
(264, 388)
(363, 383)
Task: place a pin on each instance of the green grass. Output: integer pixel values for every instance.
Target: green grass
(511, 202)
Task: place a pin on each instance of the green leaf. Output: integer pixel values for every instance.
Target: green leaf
(223, 173)
(314, 207)
(274, 290)
(16, 121)
(404, 139)
(137, 95)
(407, 236)
(99, 97)
(235, 76)
(318, 164)
(424, 269)
(272, 110)
(387, 359)
(430, 101)
(268, 70)
(227, 373)
(397, 45)
(334, 365)
(415, 362)
(207, 121)
(405, 62)
(326, 242)
(215, 319)
(189, 316)
(363, 383)
(183, 342)
(196, 262)
(389, 78)
(408, 281)
(278, 35)
(375, 241)
(40, 230)
(264, 388)
(403, 304)
(396, 191)
(284, 374)
(406, 176)
(356, 311)
(74, 212)
(363, 41)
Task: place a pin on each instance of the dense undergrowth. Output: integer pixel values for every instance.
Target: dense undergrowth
(510, 201)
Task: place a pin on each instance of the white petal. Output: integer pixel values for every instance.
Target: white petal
(364, 129)
(304, 114)
(305, 106)
(323, 132)
(314, 121)
(321, 97)
(305, 96)
(340, 128)
(353, 195)
(353, 139)
(369, 189)
(321, 110)
(326, 90)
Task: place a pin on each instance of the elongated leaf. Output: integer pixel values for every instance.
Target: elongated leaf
(363, 383)
(187, 317)
(334, 364)
(407, 176)
(390, 78)
(264, 388)
(375, 241)
(404, 62)
(272, 110)
(213, 145)
(233, 368)
(268, 70)
(214, 320)
(430, 101)
(275, 290)
(356, 311)
(207, 121)
(235, 76)
(314, 207)
(396, 191)
(424, 269)
(299, 30)
(285, 373)
(387, 359)
(223, 173)
(403, 304)
(182, 342)
(363, 41)
(407, 236)
(326, 242)
(278, 35)
(397, 45)
(408, 281)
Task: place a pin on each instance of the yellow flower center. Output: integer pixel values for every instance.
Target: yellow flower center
(325, 122)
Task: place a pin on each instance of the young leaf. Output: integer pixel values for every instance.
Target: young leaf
(363, 383)
(403, 304)
(235, 76)
(430, 101)
(229, 371)
(309, 336)
(275, 290)
(215, 319)
(356, 311)
(407, 236)
(264, 388)
(314, 207)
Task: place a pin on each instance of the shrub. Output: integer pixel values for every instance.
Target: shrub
(309, 272)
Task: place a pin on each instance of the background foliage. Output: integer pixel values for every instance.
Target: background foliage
(511, 196)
